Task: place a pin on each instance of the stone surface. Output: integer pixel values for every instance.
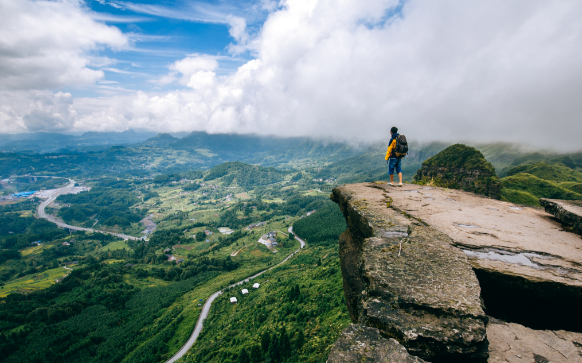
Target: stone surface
(569, 212)
(359, 343)
(529, 272)
(460, 167)
(520, 255)
(512, 343)
(408, 280)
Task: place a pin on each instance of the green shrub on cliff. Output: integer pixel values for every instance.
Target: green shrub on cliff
(552, 172)
(533, 186)
(460, 156)
(460, 167)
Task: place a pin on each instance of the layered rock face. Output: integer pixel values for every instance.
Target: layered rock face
(424, 265)
(359, 343)
(460, 167)
(408, 280)
(569, 212)
(509, 342)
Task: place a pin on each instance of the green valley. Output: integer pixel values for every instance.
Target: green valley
(122, 265)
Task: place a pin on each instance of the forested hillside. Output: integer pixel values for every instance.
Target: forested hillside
(98, 314)
(528, 182)
(244, 175)
(108, 204)
(322, 227)
(297, 313)
(71, 296)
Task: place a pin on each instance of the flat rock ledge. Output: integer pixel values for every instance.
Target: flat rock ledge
(359, 344)
(424, 265)
(408, 280)
(569, 212)
(513, 343)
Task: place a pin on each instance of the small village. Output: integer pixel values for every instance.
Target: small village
(233, 300)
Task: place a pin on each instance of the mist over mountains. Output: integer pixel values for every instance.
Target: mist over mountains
(49, 142)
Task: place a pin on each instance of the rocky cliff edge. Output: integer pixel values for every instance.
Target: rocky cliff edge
(426, 266)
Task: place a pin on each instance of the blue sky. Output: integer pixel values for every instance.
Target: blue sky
(163, 32)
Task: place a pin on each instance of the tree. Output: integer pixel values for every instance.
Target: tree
(265, 341)
(274, 353)
(256, 355)
(243, 356)
(300, 340)
(284, 344)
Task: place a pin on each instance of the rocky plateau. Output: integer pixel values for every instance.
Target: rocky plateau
(442, 275)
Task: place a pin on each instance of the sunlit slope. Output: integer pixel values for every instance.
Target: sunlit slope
(525, 188)
(244, 175)
(554, 172)
(297, 312)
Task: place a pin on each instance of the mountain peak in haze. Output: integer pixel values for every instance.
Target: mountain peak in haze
(162, 139)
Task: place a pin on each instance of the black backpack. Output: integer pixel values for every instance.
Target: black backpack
(401, 148)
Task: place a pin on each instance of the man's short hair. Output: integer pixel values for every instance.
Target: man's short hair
(394, 130)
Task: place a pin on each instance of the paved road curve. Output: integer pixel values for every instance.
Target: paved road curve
(61, 191)
(206, 307)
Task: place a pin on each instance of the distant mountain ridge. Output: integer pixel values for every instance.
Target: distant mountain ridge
(44, 142)
(163, 139)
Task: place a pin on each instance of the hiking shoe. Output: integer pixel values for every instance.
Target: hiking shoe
(390, 184)
(400, 184)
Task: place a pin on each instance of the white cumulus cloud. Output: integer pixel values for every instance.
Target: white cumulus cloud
(43, 44)
(446, 70)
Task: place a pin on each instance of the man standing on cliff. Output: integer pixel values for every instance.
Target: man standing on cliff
(394, 162)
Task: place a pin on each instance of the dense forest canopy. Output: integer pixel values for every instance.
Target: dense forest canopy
(110, 205)
(138, 300)
(322, 227)
(244, 175)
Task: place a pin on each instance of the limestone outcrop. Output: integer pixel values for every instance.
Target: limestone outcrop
(428, 266)
(569, 212)
(359, 344)
(408, 280)
(509, 342)
(460, 167)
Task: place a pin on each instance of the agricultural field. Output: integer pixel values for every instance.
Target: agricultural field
(137, 300)
(34, 282)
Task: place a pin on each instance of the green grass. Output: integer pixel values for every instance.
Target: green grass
(530, 186)
(551, 172)
(117, 245)
(519, 197)
(573, 186)
(33, 282)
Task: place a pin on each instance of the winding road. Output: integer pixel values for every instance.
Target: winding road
(48, 217)
(206, 307)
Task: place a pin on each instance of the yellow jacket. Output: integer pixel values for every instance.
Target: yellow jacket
(390, 148)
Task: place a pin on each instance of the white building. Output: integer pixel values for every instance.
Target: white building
(233, 300)
(256, 285)
(244, 291)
